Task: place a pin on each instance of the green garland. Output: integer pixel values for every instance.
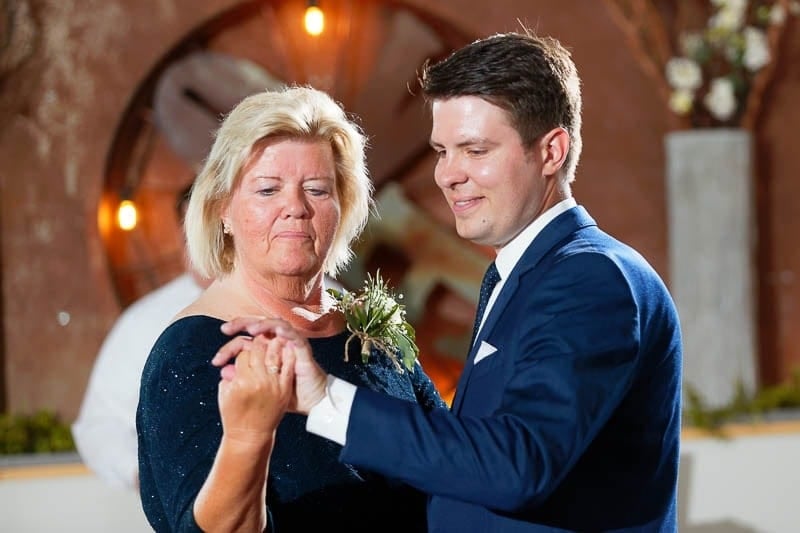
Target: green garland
(41, 432)
(783, 396)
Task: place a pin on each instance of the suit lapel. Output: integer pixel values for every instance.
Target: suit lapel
(554, 233)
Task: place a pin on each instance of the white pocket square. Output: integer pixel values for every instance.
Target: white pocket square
(484, 351)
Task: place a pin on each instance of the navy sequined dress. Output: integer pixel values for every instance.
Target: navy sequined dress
(179, 430)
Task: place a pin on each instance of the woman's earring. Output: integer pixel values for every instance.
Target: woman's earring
(226, 229)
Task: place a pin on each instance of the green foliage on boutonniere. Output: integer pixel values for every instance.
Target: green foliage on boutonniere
(375, 317)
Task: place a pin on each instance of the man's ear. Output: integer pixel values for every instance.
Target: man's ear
(554, 146)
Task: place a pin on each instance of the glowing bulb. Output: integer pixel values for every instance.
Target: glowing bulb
(127, 215)
(314, 20)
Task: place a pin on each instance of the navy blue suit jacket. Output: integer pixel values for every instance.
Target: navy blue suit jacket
(573, 424)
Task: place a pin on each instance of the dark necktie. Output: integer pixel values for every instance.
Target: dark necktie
(490, 279)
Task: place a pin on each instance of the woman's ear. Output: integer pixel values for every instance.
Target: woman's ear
(554, 147)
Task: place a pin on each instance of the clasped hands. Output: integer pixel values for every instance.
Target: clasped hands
(273, 359)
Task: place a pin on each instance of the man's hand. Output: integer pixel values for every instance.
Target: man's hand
(310, 379)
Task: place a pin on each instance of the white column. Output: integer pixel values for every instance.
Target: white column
(711, 250)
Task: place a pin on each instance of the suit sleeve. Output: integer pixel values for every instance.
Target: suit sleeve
(574, 342)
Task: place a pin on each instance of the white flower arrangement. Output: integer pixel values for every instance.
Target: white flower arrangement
(711, 80)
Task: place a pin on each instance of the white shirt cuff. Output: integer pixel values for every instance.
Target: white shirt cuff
(330, 417)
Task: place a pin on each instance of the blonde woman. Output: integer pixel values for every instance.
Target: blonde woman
(282, 194)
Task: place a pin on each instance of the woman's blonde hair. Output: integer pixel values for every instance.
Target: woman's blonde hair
(299, 112)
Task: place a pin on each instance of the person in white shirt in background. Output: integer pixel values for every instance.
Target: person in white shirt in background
(105, 431)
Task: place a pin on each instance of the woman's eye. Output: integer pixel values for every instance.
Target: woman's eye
(267, 191)
(314, 191)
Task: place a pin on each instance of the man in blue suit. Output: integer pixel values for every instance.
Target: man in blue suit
(567, 414)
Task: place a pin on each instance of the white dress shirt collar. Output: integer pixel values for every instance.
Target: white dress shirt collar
(510, 254)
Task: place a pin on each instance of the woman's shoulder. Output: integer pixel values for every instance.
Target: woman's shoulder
(187, 342)
(195, 329)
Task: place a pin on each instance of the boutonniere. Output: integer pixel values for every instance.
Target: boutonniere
(375, 316)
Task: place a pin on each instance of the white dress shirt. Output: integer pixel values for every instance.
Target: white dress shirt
(330, 417)
(105, 431)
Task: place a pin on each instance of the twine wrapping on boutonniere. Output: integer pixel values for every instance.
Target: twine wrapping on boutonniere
(376, 318)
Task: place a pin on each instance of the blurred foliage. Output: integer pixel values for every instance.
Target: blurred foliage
(40, 432)
(782, 396)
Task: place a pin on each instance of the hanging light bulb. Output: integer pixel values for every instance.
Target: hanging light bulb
(127, 215)
(314, 19)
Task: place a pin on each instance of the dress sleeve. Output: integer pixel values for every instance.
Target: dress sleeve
(179, 429)
(425, 391)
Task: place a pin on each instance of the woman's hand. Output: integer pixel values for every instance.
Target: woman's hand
(256, 390)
